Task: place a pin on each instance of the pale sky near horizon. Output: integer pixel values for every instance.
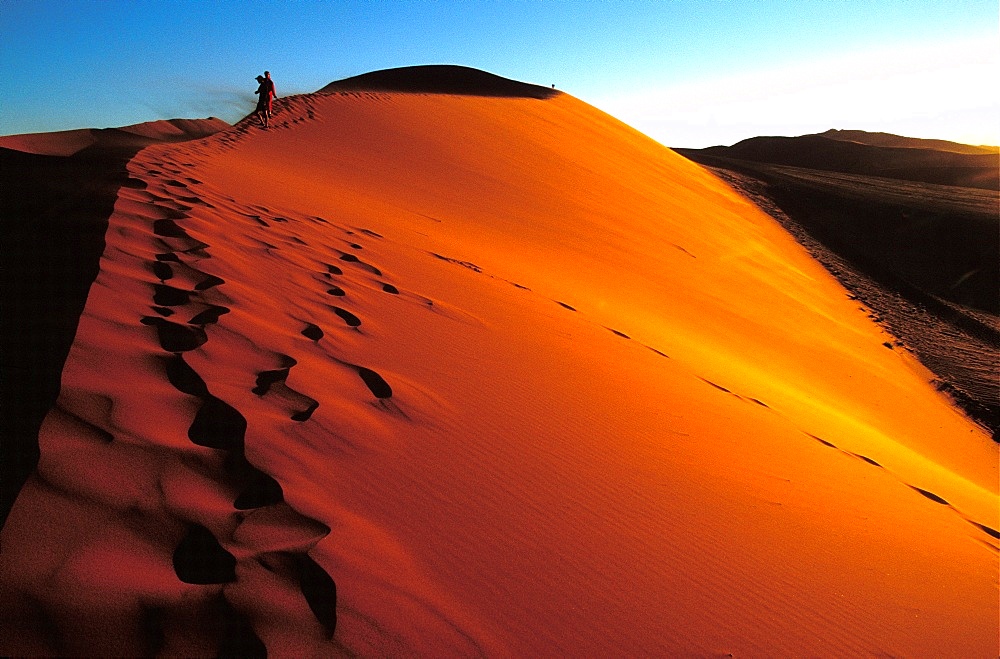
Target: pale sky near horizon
(689, 73)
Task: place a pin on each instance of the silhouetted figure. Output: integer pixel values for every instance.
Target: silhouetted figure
(266, 96)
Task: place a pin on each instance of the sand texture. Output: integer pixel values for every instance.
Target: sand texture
(425, 374)
(920, 256)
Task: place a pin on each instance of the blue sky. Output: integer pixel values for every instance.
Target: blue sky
(686, 72)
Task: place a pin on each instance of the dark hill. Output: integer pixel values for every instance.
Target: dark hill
(978, 170)
(888, 139)
(440, 79)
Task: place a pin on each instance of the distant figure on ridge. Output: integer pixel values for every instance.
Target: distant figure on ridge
(266, 94)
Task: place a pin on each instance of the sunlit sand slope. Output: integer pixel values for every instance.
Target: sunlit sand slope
(454, 375)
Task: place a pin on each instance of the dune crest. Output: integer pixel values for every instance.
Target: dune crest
(440, 374)
(440, 79)
(70, 142)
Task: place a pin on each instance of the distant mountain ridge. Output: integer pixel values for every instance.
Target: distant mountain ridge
(856, 152)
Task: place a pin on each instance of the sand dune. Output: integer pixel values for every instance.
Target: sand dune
(56, 193)
(440, 79)
(434, 374)
(69, 142)
(921, 256)
(888, 139)
(937, 162)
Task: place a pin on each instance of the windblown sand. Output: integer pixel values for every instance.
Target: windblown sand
(423, 374)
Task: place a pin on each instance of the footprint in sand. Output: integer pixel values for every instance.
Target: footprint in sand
(350, 319)
(930, 495)
(210, 281)
(208, 316)
(168, 296)
(184, 378)
(319, 590)
(218, 425)
(924, 493)
(312, 332)
(822, 441)
(266, 378)
(174, 337)
(865, 458)
(273, 383)
(375, 382)
(200, 559)
(259, 491)
(162, 270)
(258, 488)
(351, 258)
(315, 584)
(989, 531)
(169, 229)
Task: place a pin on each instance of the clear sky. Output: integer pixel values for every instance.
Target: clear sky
(687, 72)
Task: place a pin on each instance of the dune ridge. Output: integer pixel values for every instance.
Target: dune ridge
(57, 192)
(417, 394)
(184, 489)
(136, 136)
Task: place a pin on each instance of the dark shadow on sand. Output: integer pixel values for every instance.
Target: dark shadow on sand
(54, 213)
(53, 216)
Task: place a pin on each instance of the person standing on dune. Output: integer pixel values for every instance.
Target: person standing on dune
(266, 94)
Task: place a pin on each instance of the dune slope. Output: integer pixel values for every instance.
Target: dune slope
(56, 193)
(457, 375)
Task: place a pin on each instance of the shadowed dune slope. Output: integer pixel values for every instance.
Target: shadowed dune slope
(56, 193)
(457, 375)
(939, 239)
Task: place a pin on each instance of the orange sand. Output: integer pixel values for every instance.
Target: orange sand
(68, 142)
(629, 415)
